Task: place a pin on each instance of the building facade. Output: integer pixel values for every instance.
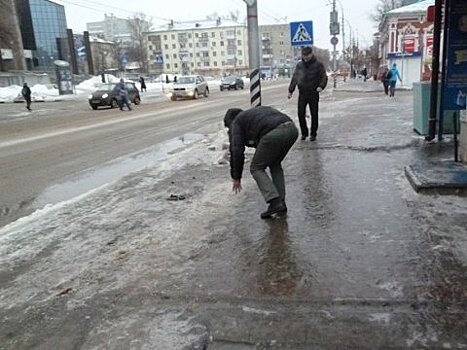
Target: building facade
(112, 29)
(11, 44)
(277, 54)
(406, 38)
(208, 48)
(217, 48)
(44, 32)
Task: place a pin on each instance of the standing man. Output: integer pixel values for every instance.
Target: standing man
(311, 78)
(272, 133)
(123, 94)
(393, 75)
(26, 92)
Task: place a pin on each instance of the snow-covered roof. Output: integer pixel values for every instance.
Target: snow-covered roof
(418, 7)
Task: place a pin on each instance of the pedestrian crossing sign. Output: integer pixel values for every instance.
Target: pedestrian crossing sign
(301, 33)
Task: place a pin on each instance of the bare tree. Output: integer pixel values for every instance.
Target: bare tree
(382, 7)
(139, 25)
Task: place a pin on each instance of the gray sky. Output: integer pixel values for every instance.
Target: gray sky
(356, 12)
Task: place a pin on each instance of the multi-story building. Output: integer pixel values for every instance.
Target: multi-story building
(11, 45)
(277, 55)
(216, 48)
(112, 29)
(406, 38)
(43, 29)
(207, 47)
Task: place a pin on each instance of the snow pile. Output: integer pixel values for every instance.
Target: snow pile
(39, 92)
(92, 83)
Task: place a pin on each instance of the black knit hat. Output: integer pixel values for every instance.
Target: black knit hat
(307, 50)
(230, 116)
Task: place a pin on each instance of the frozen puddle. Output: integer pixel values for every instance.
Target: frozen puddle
(109, 172)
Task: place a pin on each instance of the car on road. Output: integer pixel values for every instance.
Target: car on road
(107, 95)
(232, 82)
(189, 86)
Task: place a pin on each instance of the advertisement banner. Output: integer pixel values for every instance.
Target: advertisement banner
(455, 91)
(409, 45)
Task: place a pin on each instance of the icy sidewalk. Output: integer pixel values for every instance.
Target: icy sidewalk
(360, 256)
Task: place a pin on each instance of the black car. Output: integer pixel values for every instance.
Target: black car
(232, 82)
(107, 95)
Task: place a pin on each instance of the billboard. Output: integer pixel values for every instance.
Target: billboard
(455, 90)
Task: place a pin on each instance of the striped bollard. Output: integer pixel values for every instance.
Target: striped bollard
(255, 88)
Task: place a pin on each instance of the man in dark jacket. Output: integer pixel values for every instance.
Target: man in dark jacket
(311, 78)
(26, 92)
(272, 133)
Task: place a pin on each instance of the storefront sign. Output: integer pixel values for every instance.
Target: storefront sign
(409, 45)
(394, 55)
(455, 91)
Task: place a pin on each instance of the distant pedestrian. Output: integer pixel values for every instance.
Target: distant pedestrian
(392, 76)
(272, 133)
(365, 74)
(311, 78)
(26, 92)
(123, 95)
(385, 80)
(143, 84)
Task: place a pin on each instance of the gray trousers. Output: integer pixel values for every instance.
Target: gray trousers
(271, 150)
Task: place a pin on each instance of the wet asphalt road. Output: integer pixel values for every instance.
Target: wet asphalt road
(360, 262)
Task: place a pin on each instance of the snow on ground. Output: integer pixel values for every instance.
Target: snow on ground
(50, 92)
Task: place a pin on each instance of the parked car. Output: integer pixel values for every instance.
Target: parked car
(189, 86)
(107, 95)
(232, 82)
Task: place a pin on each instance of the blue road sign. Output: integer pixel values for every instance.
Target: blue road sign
(301, 33)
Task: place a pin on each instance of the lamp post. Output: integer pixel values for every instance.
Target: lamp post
(253, 52)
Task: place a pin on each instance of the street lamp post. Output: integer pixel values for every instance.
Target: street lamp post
(253, 52)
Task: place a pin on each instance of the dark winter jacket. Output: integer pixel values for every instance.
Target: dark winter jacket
(26, 92)
(247, 129)
(308, 76)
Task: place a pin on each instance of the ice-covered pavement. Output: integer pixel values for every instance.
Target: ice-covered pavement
(361, 261)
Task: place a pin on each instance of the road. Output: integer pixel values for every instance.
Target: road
(60, 141)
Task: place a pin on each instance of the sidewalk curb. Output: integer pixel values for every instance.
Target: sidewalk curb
(450, 178)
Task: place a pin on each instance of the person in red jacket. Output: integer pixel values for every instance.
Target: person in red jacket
(272, 133)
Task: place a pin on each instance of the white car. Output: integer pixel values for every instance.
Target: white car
(189, 86)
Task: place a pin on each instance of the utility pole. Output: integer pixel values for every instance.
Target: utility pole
(253, 52)
(343, 38)
(334, 30)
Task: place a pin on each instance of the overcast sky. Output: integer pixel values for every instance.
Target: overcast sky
(356, 12)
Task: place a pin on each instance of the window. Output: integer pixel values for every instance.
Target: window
(167, 56)
(206, 64)
(213, 34)
(281, 43)
(205, 54)
(174, 46)
(240, 62)
(196, 35)
(165, 37)
(214, 53)
(150, 47)
(189, 35)
(239, 52)
(222, 43)
(191, 54)
(192, 65)
(215, 63)
(190, 45)
(175, 56)
(239, 42)
(173, 36)
(168, 66)
(197, 54)
(166, 46)
(175, 65)
(281, 34)
(213, 44)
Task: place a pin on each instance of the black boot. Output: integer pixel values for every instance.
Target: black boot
(276, 206)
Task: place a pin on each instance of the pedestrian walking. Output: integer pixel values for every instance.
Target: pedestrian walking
(311, 78)
(143, 84)
(365, 74)
(392, 77)
(385, 80)
(123, 95)
(26, 92)
(272, 133)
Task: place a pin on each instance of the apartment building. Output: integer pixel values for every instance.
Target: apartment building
(276, 51)
(205, 47)
(216, 48)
